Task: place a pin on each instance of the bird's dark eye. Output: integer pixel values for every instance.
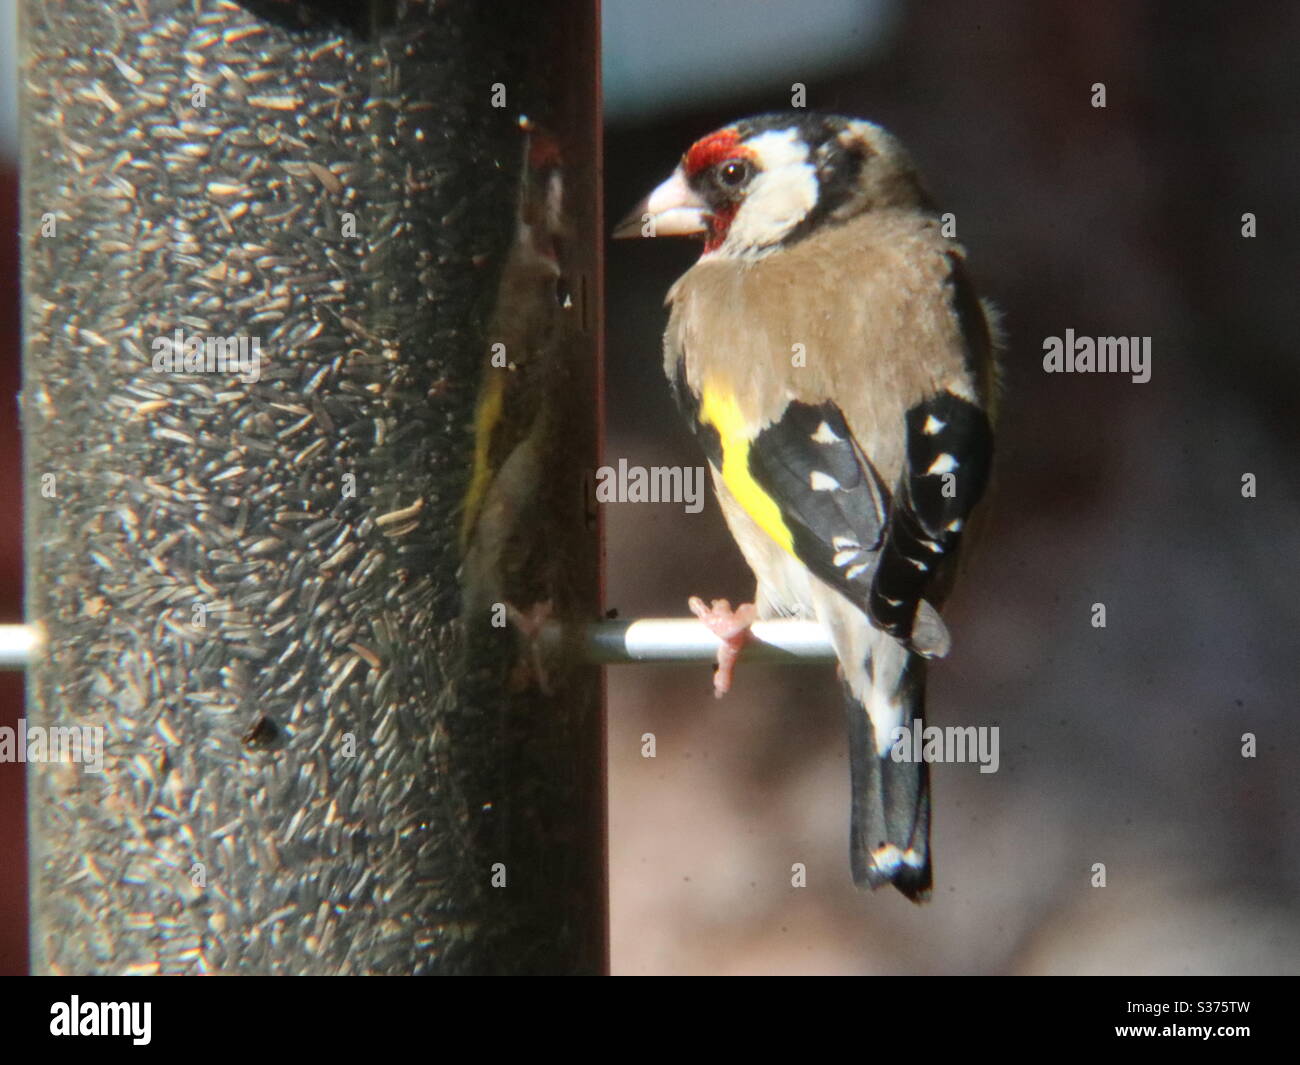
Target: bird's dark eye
(733, 173)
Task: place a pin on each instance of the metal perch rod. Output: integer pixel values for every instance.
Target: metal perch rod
(17, 646)
(687, 640)
(610, 643)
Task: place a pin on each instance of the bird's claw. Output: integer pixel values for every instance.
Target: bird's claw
(732, 627)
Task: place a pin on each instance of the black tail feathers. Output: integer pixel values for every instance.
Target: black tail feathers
(890, 832)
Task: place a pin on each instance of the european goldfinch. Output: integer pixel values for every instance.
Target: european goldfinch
(839, 372)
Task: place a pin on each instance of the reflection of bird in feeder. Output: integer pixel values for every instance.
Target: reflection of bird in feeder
(507, 554)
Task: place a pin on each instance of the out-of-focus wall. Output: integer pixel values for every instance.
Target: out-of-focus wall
(1119, 745)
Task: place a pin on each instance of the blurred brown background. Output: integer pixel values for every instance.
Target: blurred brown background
(1119, 745)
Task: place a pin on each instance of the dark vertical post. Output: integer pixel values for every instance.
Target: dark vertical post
(311, 301)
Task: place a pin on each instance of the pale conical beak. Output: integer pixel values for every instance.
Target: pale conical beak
(672, 210)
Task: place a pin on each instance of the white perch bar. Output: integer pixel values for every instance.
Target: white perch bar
(17, 646)
(608, 643)
(687, 640)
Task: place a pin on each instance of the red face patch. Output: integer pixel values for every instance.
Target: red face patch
(719, 222)
(703, 155)
(711, 150)
(543, 151)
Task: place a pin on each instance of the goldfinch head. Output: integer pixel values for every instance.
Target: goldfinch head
(763, 183)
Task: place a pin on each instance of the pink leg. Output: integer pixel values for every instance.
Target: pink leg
(732, 628)
(530, 669)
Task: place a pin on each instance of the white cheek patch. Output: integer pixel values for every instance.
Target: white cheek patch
(782, 194)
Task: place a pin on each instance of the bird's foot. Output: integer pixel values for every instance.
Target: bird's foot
(732, 628)
(530, 668)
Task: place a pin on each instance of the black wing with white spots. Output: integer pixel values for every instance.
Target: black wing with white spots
(949, 450)
(831, 497)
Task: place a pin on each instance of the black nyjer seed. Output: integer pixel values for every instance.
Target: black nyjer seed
(261, 735)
